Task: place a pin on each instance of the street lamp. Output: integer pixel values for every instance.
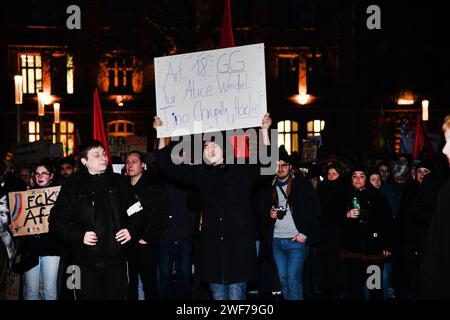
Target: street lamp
(41, 114)
(18, 95)
(425, 104)
(56, 113)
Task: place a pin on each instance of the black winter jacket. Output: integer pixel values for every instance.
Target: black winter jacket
(96, 203)
(372, 232)
(227, 237)
(305, 206)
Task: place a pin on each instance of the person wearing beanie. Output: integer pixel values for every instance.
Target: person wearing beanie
(367, 226)
(413, 233)
(333, 196)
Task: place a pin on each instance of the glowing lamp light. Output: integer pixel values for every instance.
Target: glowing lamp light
(56, 111)
(405, 102)
(18, 83)
(41, 110)
(425, 104)
(301, 99)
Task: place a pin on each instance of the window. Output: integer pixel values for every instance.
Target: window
(66, 136)
(120, 74)
(33, 131)
(62, 75)
(288, 135)
(288, 74)
(121, 128)
(314, 128)
(31, 66)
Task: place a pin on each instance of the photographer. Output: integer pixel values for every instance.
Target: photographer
(292, 226)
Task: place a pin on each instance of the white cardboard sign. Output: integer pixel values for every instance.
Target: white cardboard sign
(211, 90)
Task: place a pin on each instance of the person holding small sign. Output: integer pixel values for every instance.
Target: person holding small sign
(95, 212)
(43, 249)
(227, 238)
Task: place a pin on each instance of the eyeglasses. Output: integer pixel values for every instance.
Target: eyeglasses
(41, 174)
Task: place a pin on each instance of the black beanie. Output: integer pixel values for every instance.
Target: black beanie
(361, 168)
(425, 164)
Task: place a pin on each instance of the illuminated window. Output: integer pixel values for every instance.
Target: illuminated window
(66, 136)
(33, 131)
(69, 75)
(288, 135)
(31, 67)
(314, 128)
(120, 74)
(62, 74)
(121, 128)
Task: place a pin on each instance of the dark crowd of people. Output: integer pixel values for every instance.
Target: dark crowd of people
(337, 229)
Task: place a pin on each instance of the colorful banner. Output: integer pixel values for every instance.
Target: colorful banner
(30, 209)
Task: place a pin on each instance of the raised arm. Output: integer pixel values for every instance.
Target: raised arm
(266, 122)
(182, 173)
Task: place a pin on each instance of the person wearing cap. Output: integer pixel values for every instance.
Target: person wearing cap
(291, 210)
(435, 277)
(367, 239)
(413, 232)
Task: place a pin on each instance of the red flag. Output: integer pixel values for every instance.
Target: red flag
(227, 38)
(240, 142)
(99, 128)
(421, 141)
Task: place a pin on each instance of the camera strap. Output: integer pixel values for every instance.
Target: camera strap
(285, 196)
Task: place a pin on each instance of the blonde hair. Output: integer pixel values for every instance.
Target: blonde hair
(446, 124)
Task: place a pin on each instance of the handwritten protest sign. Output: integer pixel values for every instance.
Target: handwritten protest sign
(30, 209)
(211, 90)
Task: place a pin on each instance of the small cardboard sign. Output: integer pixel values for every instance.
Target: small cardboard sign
(30, 209)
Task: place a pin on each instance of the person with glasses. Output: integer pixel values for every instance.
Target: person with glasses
(45, 249)
(291, 211)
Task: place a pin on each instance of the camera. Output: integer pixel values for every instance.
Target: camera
(281, 212)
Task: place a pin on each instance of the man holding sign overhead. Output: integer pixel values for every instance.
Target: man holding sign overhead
(227, 238)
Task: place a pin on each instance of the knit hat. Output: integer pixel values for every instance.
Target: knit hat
(284, 156)
(425, 164)
(361, 168)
